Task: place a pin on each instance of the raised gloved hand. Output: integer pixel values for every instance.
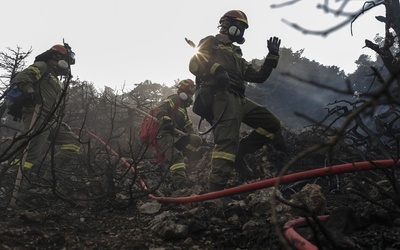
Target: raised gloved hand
(273, 45)
(33, 98)
(222, 77)
(167, 125)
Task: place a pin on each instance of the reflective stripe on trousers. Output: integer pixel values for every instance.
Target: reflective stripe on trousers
(27, 164)
(223, 155)
(71, 147)
(177, 166)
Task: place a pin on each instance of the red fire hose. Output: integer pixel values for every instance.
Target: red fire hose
(309, 174)
(127, 164)
(294, 238)
(338, 169)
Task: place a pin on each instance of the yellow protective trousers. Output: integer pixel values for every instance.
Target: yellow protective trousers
(64, 137)
(238, 109)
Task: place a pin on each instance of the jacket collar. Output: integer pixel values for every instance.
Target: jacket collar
(222, 38)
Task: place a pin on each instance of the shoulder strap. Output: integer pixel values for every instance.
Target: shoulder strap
(46, 73)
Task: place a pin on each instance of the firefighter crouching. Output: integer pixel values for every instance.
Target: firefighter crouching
(172, 114)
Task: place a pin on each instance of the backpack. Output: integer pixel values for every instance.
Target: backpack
(204, 94)
(147, 133)
(148, 129)
(15, 99)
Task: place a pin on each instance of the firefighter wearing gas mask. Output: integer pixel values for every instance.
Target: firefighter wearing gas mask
(221, 73)
(172, 114)
(41, 85)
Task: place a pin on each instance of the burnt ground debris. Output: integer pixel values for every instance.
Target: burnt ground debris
(112, 212)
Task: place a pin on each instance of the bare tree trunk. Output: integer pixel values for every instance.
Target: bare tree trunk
(392, 24)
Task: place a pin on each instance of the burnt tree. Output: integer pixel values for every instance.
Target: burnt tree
(388, 51)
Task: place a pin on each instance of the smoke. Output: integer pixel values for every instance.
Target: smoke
(288, 99)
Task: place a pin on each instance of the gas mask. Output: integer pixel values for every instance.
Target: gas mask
(186, 98)
(236, 32)
(63, 65)
(63, 68)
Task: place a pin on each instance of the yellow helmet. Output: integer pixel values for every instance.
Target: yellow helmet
(234, 15)
(233, 23)
(67, 54)
(186, 86)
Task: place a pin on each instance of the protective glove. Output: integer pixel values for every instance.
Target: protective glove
(33, 98)
(222, 77)
(167, 125)
(273, 45)
(206, 143)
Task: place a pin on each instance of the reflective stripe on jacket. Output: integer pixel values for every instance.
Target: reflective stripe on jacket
(173, 108)
(49, 87)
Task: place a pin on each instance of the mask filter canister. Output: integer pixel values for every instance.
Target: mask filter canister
(63, 64)
(183, 96)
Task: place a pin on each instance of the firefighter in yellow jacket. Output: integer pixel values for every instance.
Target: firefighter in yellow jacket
(221, 73)
(41, 85)
(172, 114)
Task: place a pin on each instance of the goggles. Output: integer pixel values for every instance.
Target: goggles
(241, 25)
(71, 57)
(188, 89)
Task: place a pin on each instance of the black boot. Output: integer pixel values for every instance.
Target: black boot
(279, 142)
(48, 175)
(179, 180)
(61, 161)
(248, 145)
(241, 167)
(33, 174)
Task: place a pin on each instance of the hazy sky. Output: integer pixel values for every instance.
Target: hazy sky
(123, 42)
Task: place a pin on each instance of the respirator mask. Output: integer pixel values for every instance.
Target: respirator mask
(63, 65)
(186, 98)
(236, 32)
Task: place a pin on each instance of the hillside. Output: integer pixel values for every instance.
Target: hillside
(244, 221)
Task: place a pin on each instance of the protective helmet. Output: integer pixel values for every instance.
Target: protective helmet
(234, 15)
(186, 86)
(233, 23)
(65, 53)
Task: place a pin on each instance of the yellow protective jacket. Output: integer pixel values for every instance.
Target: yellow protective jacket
(40, 78)
(174, 108)
(218, 52)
